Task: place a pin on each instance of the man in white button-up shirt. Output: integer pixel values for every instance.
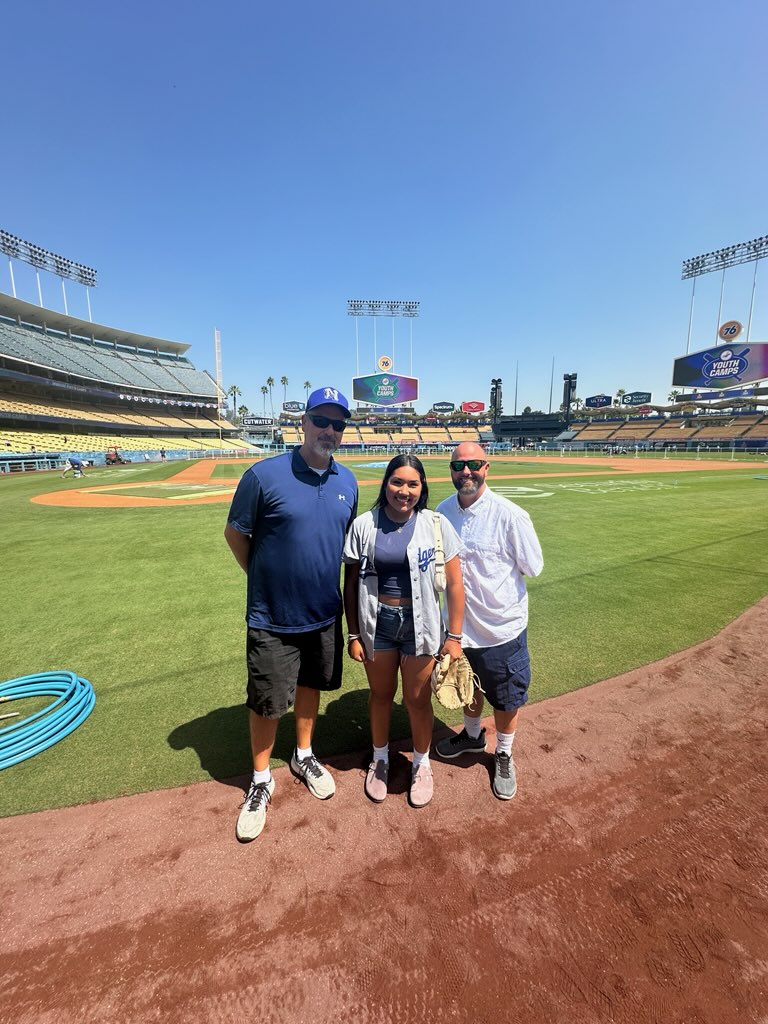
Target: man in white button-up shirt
(499, 548)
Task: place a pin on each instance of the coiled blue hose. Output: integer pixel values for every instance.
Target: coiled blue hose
(74, 702)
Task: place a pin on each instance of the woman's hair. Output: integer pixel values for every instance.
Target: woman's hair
(397, 463)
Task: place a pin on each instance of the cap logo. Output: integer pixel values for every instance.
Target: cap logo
(331, 394)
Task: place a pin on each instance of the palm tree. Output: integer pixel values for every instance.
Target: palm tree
(243, 411)
(307, 386)
(234, 393)
(270, 385)
(264, 390)
(284, 382)
(619, 394)
(673, 395)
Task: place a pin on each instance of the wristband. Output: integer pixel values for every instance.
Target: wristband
(351, 637)
(454, 636)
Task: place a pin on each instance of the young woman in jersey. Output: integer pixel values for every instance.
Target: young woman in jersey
(393, 614)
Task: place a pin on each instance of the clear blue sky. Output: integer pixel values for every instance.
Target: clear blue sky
(533, 174)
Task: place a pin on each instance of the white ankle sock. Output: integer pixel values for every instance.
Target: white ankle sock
(381, 754)
(504, 741)
(472, 725)
(264, 776)
(301, 753)
(419, 759)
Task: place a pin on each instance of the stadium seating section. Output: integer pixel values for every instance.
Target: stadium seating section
(61, 393)
(100, 362)
(707, 429)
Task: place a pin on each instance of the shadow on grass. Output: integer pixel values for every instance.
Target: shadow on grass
(342, 737)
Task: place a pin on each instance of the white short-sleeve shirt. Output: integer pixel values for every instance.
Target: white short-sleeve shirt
(499, 548)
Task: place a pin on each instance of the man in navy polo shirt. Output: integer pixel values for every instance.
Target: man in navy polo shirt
(286, 529)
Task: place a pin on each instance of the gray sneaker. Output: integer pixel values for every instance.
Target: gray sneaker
(461, 743)
(318, 779)
(253, 813)
(504, 776)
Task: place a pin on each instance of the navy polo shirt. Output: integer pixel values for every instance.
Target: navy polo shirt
(297, 521)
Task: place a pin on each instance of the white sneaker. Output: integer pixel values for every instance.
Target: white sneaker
(253, 813)
(318, 779)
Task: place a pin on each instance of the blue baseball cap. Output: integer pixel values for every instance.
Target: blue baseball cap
(328, 396)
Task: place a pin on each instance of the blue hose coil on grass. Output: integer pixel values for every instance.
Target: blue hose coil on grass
(75, 699)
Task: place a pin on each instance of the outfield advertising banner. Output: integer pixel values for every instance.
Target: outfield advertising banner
(597, 401)
(472, 406)
(385, 389)
(444, 407)
(293, 406)
(256, 421)
(716, 396)
(723, 366)
(636, 398)
(388, 409)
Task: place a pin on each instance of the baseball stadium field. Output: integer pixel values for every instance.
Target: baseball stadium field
(124, 578)
(626, 881)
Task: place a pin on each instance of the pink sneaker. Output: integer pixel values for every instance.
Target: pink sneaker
(421, 786)
(376, 781)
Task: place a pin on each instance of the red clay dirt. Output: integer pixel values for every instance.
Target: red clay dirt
(627, 882)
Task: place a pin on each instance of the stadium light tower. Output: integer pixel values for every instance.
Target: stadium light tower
(41, 259)
(721, 259)
(382, 307)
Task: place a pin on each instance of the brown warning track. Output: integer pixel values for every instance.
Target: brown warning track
(627, 882)
(103, 496)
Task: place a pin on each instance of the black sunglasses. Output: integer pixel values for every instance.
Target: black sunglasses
(473, 464)
(323, 421)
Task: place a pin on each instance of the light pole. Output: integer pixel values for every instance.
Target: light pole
(720, 259)
(495, 402)
(569, 392)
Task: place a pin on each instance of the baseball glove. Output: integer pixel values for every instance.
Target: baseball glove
(454, 682)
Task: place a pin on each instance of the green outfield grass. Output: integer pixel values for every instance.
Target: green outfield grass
(148, 605)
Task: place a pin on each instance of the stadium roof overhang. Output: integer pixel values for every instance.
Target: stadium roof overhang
(28, 313)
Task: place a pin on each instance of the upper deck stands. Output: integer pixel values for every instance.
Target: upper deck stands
(102, 361)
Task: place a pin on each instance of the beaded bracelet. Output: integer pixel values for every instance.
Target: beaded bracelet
(454, 636)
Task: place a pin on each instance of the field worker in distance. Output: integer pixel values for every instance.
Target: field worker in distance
(75, 464)
(499, 547)
(286, 529)
(393, 614)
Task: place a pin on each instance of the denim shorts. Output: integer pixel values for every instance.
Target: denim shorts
(394, 629)
(504, 672)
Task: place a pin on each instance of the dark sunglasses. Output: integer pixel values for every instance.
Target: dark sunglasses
(322, 422)
(473, 464)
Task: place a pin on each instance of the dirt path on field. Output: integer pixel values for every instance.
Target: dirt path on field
(627, 882)
(200, 474)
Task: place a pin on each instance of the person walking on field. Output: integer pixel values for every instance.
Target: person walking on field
(500, 547)
(393, 613)
(286, 529)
